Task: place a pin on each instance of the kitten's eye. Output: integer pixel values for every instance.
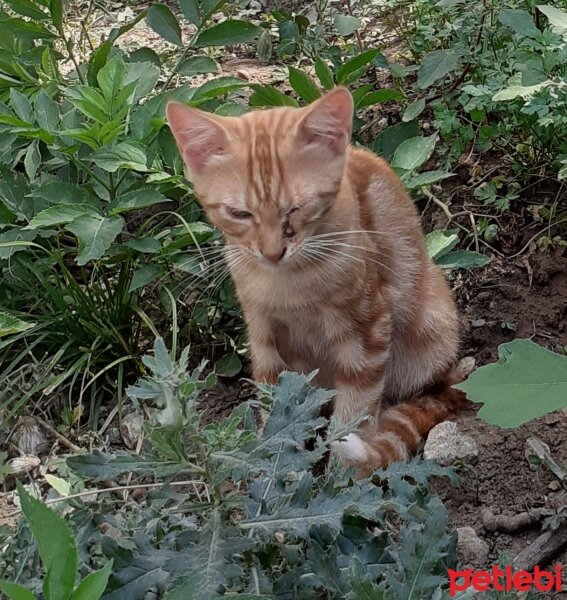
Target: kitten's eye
(238, 214)
(292, 210)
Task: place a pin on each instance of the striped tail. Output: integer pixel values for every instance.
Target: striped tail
(401, 428)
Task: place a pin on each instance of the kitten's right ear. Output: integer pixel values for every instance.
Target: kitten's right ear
(199, 136)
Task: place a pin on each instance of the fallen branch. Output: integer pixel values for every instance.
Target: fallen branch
(542, 550)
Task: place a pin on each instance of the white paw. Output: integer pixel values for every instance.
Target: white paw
(351, 448)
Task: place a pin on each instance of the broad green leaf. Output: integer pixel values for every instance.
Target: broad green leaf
(440, 242)
(93, 585)
(413, 110)
(144, 76)
(21, 105)
(46, 112)
(364, 59)
(303, 85)
(123, 155)
(289, 34)
(363, 588)
(210, 7)
(520, 21)
(527, 382)
(136, 199)
(389, 140)
(229, 365)
(95, 234)
(27, 8)
(145, 275)
(15, 591)
(98, 59)
(414, 182)
(436, 65)
(27, 30)
(10, 324)
(556, 16)
(56, 546)
(198, 64)
(62, 487)
(462, 259)
(57, 10)
(516, 90)
(147, 245)
(232, 109)
(32, 160)
(164, 22)
(228, 32)
(380, 96)
(324, 73)
(217, 87)
(268, 95)
(60, 214)
(346, 25)
(59, 192)
(145, 55)
(412, 153)
(190, 9)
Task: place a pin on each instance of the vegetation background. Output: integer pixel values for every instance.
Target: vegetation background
(122, 351)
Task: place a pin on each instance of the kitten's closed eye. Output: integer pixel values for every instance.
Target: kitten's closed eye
(238, 214)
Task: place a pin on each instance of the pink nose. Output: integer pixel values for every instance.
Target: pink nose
(274, 255)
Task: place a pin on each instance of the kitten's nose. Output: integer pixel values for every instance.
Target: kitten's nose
(273, 254)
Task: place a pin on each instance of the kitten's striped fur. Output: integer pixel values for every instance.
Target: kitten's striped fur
(330, 266)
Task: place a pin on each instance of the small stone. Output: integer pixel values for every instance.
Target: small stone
(470, 548)
(446, 444)
(478, 323)
(131, 429)
(466, 366)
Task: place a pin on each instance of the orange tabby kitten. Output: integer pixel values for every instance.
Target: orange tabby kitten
(329, 261)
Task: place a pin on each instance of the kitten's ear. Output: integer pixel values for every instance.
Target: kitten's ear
(199, 136)
(328, 122)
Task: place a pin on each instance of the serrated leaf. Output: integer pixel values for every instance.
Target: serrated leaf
(303, 85)
(436, 65)
(362, 586)
(190, 10)
(123, 155)
(95, 234)
(516, 90)
(10, 324)
(346, 25)
(57, 10)
(440, 242)
(556, 16)
(136, 199)
(216, 88)
(267, 95)
(462, 259)
(32, 160)
(15, 591)
(93, 585)
(412, 153)
(46, 112)
(364, 59)
(164, 22)
(21, 105)
(198, 64)
(324, 73)
(413, 110)
(228, 32)
(527, 382)
(56, 546)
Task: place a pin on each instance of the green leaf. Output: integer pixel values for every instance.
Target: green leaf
(145, 55)
(527, 382)
(389, 140)
(516, 90)
(46, 112)
(163, 22)
(364, 59)
(10, 324)
(229, 365)
(95, 234)
(519, 21)
(59, 192)
(146, 245)
(346, 25)
(232, 109)
(557, 17)
(264, 47)
(380, 96)
(412, 153)
(32, 160)
(57, 10)
(123, 155)
(440, 242)
(56, 546)
(231, 31)
(413, 110)
(303, 85)
(324, 73)
(145, 275)
(463, 259)
(268, 95)
(416, 181)
(436, 65)
(15, 591)
(136, 199)
(363, 588)
(93, 585)
(190, 9)
(27, 8)
(21, 105)
(60, 214)
(198, 64)
(27, 30)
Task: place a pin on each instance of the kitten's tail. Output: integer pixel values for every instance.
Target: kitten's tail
(402, 428)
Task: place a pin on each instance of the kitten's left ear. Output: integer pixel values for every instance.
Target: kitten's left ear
(328, 122)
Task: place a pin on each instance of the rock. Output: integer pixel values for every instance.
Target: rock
(446, 444)
(466, 366)
(131, 429)
(471, 550)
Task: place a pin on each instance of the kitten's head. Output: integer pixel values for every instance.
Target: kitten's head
(269, 178)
